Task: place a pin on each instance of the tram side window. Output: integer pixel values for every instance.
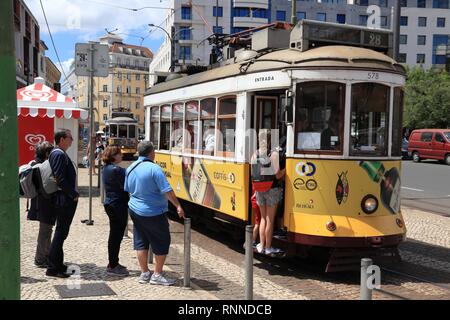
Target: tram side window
(207, 125)
(369, 119)
(154, 126)
(227, 125)
(397, 123)
(165, 128)
(319, 117)
(177, 127)
(191, 126)
(113, 131)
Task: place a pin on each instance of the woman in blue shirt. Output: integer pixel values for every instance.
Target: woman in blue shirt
(116, 206)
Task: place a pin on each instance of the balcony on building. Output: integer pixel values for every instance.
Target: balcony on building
(244, 17)
(251, 3)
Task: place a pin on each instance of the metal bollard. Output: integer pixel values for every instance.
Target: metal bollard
(248, 262)
(187, 252)
(366, 292)
(150, 255)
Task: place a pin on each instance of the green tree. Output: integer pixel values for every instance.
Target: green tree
(427, 99)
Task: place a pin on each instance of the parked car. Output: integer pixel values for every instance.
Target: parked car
(430, 144)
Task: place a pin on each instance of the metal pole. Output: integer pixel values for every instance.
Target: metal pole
(248, 262)
(89, 222)
(365, 292)
(187, 252)
(9, 193)
(150, 255)
(294, 12)
(396, 24)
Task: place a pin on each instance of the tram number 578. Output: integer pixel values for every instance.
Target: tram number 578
(373, 76)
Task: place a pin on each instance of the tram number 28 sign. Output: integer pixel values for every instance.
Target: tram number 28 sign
(98, 53)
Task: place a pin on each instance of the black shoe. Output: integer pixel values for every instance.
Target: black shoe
(56, 274)
(42, 265)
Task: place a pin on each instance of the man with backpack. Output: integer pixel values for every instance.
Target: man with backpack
(64, 201)
(40, 209)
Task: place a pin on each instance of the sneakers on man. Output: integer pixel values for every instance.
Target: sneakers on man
(260, 248)
(118, 270)
(161, 280)
(144, 277)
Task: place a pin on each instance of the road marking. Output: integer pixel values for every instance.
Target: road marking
(412, 189)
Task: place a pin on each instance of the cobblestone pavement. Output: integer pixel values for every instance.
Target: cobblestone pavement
(217, 267)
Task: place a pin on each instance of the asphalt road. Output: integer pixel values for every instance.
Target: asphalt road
(426, 186)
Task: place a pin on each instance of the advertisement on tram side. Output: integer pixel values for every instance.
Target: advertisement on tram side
(214, 184)
(347, 191)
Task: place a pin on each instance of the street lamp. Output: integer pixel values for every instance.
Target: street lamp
(172, 42)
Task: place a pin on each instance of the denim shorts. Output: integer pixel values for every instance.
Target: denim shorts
(270, 198)
(151, 231)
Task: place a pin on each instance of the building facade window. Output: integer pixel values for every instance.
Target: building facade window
(383, 3)
(241, 12)
(185, 53)
(105, 103)
(363, 2)
(138, 77)
(403, 39)
(281, 15)
(422, 21)
(138, 105)
(421, 40)
(217, 11)
(260, 13)
(105, 88)
(403, 20)
(128, 89)
(217, 29)
(105, 117)
(321, 16)
(185, 33)
(138, 90)
(440, 23)
(403, 3)
(402, 57)
(186, 13)
(340, 18)
(421, 3)
(440, 4)
(301, 15)
(119, 89)
(420, 58)
(440, 44)
(363, 20)
(119, 75)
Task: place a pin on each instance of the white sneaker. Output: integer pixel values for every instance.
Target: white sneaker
(161, 280)
(260, 248)
(273, 250)
(144, 277)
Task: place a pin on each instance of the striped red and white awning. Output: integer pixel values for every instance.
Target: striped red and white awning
(39, 100)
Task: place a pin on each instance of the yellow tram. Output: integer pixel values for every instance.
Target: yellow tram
(338, 112)
(121, 131)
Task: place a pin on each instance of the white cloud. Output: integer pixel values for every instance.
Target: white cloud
(66, 65)
(92, 17)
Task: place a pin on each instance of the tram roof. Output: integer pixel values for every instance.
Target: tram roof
(341, 57)
(121, 120)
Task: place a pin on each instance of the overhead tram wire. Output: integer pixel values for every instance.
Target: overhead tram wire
(53, 42)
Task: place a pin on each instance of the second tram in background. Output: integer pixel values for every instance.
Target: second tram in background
(122, 131)
(336, 97)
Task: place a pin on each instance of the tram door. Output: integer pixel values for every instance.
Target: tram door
(265, 117)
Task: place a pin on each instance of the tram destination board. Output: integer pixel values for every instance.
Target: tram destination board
(309, 34)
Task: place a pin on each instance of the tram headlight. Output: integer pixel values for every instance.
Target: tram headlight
(369, 204)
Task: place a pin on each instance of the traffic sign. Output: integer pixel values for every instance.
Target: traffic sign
(100, 59)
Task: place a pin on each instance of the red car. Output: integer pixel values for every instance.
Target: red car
(430, 144)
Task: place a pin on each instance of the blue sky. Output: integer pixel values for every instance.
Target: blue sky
(73, 21)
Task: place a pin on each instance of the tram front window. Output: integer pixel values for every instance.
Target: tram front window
(319, 117)
(369, 119)
(122, 131)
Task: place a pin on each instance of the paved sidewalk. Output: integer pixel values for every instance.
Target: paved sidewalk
(86, 247)
(217, 272)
